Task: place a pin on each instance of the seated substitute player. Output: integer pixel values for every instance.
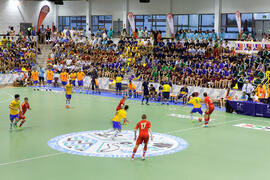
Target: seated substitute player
(68, 90)
(14, 107)
(197, 107)
(144, 127)
(209, 109)
(182, 94)
(116, 121)
(25, 105)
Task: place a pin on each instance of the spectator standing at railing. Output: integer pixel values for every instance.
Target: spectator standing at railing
(42, 33)
(140, 33)
(48, 34)
(110, 33)
(145, 32)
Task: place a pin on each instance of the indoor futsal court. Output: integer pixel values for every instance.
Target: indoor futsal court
(181, 149)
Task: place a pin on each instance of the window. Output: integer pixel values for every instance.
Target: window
(194, 22)
(261, 16)
(101, 22)
(151, 22)
(75, 22)
(229, 24)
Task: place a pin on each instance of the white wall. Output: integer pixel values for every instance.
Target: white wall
(193, 6)
(73, 8)
(108, 7)
(231, 6)
(28, 12)
(154, 7)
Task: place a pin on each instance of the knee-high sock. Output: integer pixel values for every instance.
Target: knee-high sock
(23, 121)
(134, 152)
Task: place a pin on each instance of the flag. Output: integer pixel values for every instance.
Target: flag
(238, 20)
(131, 20)
(170, 23)
(43, 13)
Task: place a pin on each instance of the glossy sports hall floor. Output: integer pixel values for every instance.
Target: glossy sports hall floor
(220, 152)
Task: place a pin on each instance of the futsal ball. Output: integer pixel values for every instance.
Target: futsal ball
(125, 122)
(200, 119)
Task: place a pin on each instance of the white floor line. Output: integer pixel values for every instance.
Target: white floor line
(33, 158)
(199, 127)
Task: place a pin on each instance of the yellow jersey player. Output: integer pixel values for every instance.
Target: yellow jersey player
(15, 108)
(197, 107)
(68, 90)
(116, 121)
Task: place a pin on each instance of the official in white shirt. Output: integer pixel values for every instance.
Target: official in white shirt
(248, 88)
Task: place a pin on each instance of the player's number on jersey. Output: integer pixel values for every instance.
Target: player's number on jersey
(143, 125)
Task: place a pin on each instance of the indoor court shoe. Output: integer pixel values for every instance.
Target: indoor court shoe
(67, 106)
(132, 158)
(143, 157)
(205, 126)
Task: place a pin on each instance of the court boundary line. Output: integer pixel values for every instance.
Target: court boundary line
(33, 158)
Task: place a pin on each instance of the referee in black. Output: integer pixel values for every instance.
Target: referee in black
(145, 86)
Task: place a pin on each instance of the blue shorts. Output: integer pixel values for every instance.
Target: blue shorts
(80, 83)
(64, 83)
(12, 117)
(118, 86)
(166, 95)
(68, 96)
(35, 82)
(73, 82)
(199, 110)
(116, 125)
(49, 81)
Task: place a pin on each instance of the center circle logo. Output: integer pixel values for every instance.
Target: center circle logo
(100, 144)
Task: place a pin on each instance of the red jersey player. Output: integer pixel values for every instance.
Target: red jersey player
(121, 103)
(209, 109)
(144, 127)
(25, 105)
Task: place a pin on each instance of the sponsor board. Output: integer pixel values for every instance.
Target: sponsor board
(252, 126)
(100, 144)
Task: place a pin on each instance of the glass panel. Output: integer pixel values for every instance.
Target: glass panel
(246, 19)
(183, 19)
(207, 28)
(231, 20)
(223, 20)
(94, 20)
(231, 35)
(232, 29)
(260, 16)
(208, 20)
(193, 20)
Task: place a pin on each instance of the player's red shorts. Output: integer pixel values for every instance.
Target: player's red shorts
(211, 109)
(21, 116)
(141, 140)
